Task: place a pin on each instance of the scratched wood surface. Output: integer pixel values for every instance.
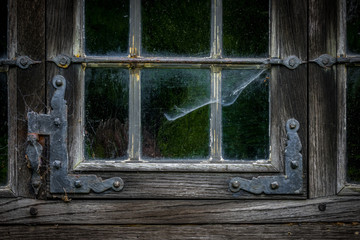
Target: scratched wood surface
(170, 232)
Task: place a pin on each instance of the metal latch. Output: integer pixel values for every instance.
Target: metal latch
(54, 125)
(289, 183)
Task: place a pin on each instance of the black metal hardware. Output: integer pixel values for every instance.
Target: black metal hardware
(54, 125)
(327, 61)
(64, 61)
(291, 182)
(22, 62)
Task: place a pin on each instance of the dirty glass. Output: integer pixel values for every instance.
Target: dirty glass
(245, 114)
(353, 26)
(106, 113)
(175, 113)
(352, 124)
(3, 30)
(176, 27)
(245, 28)
(106, 27)
(3, 129)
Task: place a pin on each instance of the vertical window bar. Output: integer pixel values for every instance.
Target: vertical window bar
(216, 52)
(135, 82)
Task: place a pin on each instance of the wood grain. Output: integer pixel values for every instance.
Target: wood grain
(171, 232)
(338, 209)
(322, 100)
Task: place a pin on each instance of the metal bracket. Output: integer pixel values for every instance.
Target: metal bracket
(291, 182)
(54, 125)
(22, 62)
(327, 61)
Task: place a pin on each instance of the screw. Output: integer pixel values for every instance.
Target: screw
(59, 82)
(322, 207)
(117, 184)
(57, 122)
(294, 164)
(274, 185)
(78, 184)
(33, 211)
(63, 61)
(23, 61)
(292, 62)
(235, 184)
(57, 164)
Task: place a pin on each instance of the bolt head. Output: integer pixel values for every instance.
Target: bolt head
(322, 207)
(59, 82)
(292, 62)
(274, 185)
(235, 184)
(23, 61)
(33, 211)
(57, 122)
(292, 125)
(57, 164)
(78, 184)
(63, 61)
(117, 184)
(325, 61)
(294, 164)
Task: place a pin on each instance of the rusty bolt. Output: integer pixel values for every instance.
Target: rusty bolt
(322, 207)
(235, 184)
(117, 184)
(57, 164)
(294, 164)
(59, 82)
(78, 184)
(274, 185)
(33, 211)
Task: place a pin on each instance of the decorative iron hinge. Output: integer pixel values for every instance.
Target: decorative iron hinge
(22, 62)
(54, 125)
(327, 61)
(291, 182)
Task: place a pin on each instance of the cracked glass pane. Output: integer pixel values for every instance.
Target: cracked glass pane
(3, 30)
(106, 27)
(106, 113)
(353, 26)
(3, 129)
(245, 114)
(176, 27)
(175, 113)
(352, 124)
(245, 28)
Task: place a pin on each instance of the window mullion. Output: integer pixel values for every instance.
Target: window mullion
(216, 50)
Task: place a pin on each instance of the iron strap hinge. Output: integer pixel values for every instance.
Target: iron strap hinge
(289, 183)
(54, 125)
(22, 62)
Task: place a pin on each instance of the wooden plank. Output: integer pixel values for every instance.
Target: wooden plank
(288, 87)
(31, 88)
(338, 209)
(322, 100)
(170, 232)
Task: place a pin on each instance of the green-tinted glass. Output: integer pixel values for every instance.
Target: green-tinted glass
(176, 27)
(106, 111)
(245, 28)
(353, 26)
(3, 30)
(175, 113)
(352, 124)
(106, 27)
(245, 114)
(3, 129)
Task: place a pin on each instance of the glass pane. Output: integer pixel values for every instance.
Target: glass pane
(352, 124)
(175, 113)
(245, 28)
(106, 112)
(245, 114)
(106, 27)
(176, 27)
(3, 129)
(353, 26)
(3, 30)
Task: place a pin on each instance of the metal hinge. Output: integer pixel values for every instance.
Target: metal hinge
(54, 125)
(22, 62)
(289, 183)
